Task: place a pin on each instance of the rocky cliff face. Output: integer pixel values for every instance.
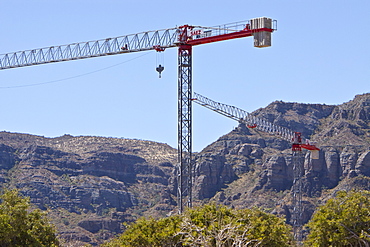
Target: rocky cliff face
(90, 185)
(260, 169)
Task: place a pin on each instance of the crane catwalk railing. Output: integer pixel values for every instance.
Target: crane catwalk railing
(111, 46)
(244, 117)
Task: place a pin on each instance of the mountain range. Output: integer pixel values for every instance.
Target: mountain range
(90, 185)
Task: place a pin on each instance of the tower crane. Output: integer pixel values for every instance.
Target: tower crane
(184, 38)
(295, 138)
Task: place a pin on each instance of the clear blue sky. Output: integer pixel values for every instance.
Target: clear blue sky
(320, 54)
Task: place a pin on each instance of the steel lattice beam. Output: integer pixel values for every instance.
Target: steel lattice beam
(110, 46)
(185, 163)
(144, 41)
(243, 117)
(297, 220)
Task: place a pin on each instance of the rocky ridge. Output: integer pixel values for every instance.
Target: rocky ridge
(90, 185)
(259, 167)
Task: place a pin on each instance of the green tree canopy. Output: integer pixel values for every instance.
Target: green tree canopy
(20, 226)
(342, 221)
(209, 225)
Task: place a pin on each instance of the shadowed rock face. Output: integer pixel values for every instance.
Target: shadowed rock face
(363, 164)
(95, 225)
(212, 172)
(93, 184)
(334, 164)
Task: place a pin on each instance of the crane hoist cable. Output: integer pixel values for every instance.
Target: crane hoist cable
(159, 60)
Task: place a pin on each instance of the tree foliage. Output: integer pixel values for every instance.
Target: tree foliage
(209, 225)
(342, 221)
(20, 226)
(149, 232)
(213, 225)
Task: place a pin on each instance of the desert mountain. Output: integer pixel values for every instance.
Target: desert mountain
(91, 185)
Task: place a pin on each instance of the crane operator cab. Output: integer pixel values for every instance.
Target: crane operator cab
(159, 69)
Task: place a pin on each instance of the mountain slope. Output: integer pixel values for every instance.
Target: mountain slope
(260, 169)
(90, 185)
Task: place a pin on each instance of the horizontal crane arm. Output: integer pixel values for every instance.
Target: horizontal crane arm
(157, 40)
(150, 40)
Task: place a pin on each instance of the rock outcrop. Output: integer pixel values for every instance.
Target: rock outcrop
(342, 133)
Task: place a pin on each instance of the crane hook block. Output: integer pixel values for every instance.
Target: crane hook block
(159, 69)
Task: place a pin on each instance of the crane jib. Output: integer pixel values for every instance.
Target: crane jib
(144, 41)
(254, 122)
